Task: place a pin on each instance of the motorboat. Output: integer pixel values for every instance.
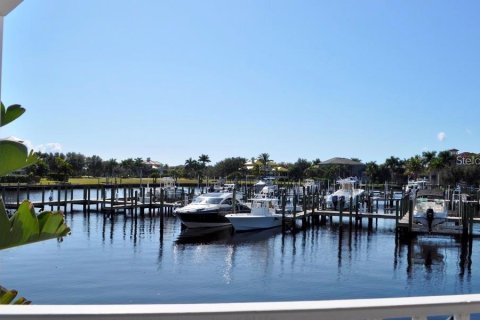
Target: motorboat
(397, 195)
(348, 190)
(221, 186)
(171, 191)
(265, 188)
(430, 208)
(413, 186)
(311, 185)
(209, 210)
(263, 215)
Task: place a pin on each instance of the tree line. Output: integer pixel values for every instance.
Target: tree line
(440, 167)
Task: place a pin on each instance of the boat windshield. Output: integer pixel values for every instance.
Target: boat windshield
(436, 204)
(207, 200)
(264, 204)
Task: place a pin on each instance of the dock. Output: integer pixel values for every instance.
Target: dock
(134, 201)
(108, 199)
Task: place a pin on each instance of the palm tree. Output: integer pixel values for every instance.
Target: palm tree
(413, 166)
(440, 162)
(192, 166)
(427, 157)
(110, 166)
(392, 165)
(204, 159)
(371, 170)
(264, 158)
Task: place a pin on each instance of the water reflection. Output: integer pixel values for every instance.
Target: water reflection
(225, 235)
(429, 255)
(169, 265)
(204, 235)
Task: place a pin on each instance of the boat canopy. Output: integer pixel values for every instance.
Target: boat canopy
(430, 193)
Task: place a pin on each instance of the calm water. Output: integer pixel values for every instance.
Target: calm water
(124, 261)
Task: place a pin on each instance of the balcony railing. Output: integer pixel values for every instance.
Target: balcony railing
(458, 307)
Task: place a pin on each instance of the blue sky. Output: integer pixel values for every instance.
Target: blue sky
(296, 79)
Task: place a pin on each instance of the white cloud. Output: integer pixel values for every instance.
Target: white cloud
(441, 136)
(46, 148)
(29, 144)
(49, 147)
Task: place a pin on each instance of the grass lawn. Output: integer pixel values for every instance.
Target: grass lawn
(103, 180)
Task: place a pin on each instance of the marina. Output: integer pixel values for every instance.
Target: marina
(138, 185)
(293, 204)
(171, 264)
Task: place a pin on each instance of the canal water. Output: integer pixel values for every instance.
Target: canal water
(125, 260)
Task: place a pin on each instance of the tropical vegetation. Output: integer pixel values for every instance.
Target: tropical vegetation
(24, 226)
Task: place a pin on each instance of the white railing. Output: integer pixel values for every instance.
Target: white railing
(460, 307)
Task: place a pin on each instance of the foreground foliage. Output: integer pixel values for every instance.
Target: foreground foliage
(24, 226)
(8, 297)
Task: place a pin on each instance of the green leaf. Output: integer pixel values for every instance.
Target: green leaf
(52, 225)
(23, 301)
(7, 296)
(26, 227)
(4, 223)
(14, 156)
(13, 112)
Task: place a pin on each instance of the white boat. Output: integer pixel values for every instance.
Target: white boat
(209, 210)
(171, 191)
(348, 190)
(265, 188)
(430, 208)
(263, 215)
(311, 185)
(415, 185)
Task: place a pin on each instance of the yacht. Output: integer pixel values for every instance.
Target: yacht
(209, 210)
(348, 190)
(430, 208)
(263, 215)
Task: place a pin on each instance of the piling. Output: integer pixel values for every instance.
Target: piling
(284, 200)
(341, 204)
(133, 211)
(396, 212)
(88, 200)
(65, 196)
(162, 195)
(71, 198)
(136, 207)
(112, 201)
(96, 189)
(234, 201)
(304, 218)
(410, 216)
(358, 218)
(350, 211)
(43, 196)
(58, 198)
(84, 202)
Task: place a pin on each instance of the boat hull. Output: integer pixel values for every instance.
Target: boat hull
(204, 219)
(423, 219)
(248, 222)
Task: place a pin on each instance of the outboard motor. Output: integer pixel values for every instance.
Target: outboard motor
(334, 202)
(430, 216)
